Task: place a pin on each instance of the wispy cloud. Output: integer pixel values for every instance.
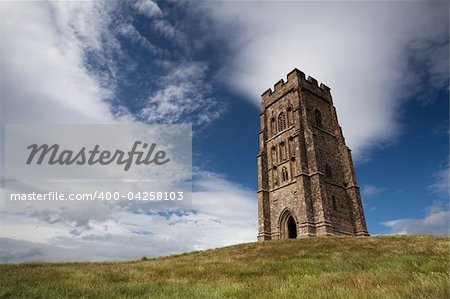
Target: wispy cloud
(130, 32)
(369, 190)
(43, 65)
(436, 222)
(185, 95)
(441, 181)
(166, 29)
(148, 8)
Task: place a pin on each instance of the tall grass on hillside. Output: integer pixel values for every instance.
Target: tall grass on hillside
(341, 267)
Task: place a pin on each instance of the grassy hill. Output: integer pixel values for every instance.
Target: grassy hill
(372, 267)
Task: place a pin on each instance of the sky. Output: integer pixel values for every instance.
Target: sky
(207, 63)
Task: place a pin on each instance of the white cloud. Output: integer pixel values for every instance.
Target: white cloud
(148, 8)
(214, 192)
(369, 190)
(436, 222)
(361, 50)
(225, 214)
(44, 77)
(130, 31)
(185, 95)
(166, 29)
(440, 186)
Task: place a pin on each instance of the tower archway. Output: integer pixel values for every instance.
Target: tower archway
(287, 225)
(291, 228)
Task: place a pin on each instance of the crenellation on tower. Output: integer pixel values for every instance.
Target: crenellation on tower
(306, 181)
(278, 85)
(324, 87)
(295, 79)
(296, 74)
(313, 81)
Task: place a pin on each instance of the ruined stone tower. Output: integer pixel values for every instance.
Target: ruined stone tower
(306, 180)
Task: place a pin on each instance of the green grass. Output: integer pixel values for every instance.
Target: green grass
(365, 267)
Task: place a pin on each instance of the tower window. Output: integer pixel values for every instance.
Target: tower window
(274, 154)
(284, 174)
(272, 126)
(318, 118)
(333, 200)
(281, 121)
(328, 172)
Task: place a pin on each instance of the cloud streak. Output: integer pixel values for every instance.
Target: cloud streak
(436, 222)
(148, 8)
(185, 95)
(369, 190)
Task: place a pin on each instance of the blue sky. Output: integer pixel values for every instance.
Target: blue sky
(207, 63)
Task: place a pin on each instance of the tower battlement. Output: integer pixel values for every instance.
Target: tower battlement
(306, 180)
(295, 79)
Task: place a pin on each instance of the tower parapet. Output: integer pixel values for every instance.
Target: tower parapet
(295, 79)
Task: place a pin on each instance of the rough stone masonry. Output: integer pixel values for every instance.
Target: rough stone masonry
(306, 180)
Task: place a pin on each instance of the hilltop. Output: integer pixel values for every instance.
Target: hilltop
(339, 267)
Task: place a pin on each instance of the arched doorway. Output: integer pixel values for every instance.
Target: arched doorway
(287, 225)
(291, 228)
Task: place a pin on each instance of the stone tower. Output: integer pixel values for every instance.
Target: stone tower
(306, 180)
